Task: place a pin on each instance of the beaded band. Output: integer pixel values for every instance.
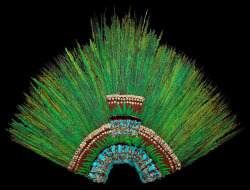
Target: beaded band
(124, 121)
(136, 102)
(147, 134)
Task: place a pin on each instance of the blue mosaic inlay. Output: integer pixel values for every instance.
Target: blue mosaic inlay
(124, 127)
(120, 154)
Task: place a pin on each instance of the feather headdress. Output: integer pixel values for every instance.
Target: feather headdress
(123, 98)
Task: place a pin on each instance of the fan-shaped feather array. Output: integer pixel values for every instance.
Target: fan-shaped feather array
(68, 101)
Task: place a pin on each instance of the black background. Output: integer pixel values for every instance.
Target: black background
(213, 34)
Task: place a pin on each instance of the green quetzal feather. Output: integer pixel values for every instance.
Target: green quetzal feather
(67, 101)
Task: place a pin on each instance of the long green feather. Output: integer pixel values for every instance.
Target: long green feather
(67, 101)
